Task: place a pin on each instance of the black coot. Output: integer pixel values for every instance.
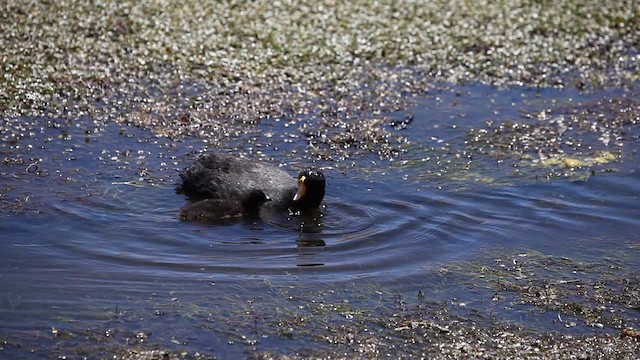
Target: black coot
(226, 177)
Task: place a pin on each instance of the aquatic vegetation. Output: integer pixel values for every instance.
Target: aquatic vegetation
(563, 141)
(363, 318)
(215, 69)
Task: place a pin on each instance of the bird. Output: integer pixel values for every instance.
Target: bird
(218, 211)
(228, 177)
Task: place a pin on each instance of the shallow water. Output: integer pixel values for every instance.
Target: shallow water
(90, 236)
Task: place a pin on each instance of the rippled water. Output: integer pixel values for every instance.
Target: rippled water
(89, 243)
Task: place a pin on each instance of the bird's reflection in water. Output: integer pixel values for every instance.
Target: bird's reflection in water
(309, 249)
(311, 222)
(309, 244)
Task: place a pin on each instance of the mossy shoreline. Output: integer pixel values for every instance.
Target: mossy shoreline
(590, 309)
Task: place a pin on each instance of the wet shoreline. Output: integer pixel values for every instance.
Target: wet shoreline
(595, 302)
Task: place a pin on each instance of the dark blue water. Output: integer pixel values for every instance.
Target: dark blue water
(89, 235)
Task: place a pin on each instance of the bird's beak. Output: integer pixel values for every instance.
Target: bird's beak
(302, 189)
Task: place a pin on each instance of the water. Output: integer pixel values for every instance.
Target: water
(90, 239)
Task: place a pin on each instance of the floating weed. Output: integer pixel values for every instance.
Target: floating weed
(200, 69)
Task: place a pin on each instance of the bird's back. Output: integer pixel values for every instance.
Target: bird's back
(218, 176)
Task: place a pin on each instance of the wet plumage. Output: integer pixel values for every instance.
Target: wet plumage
(226, 177)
